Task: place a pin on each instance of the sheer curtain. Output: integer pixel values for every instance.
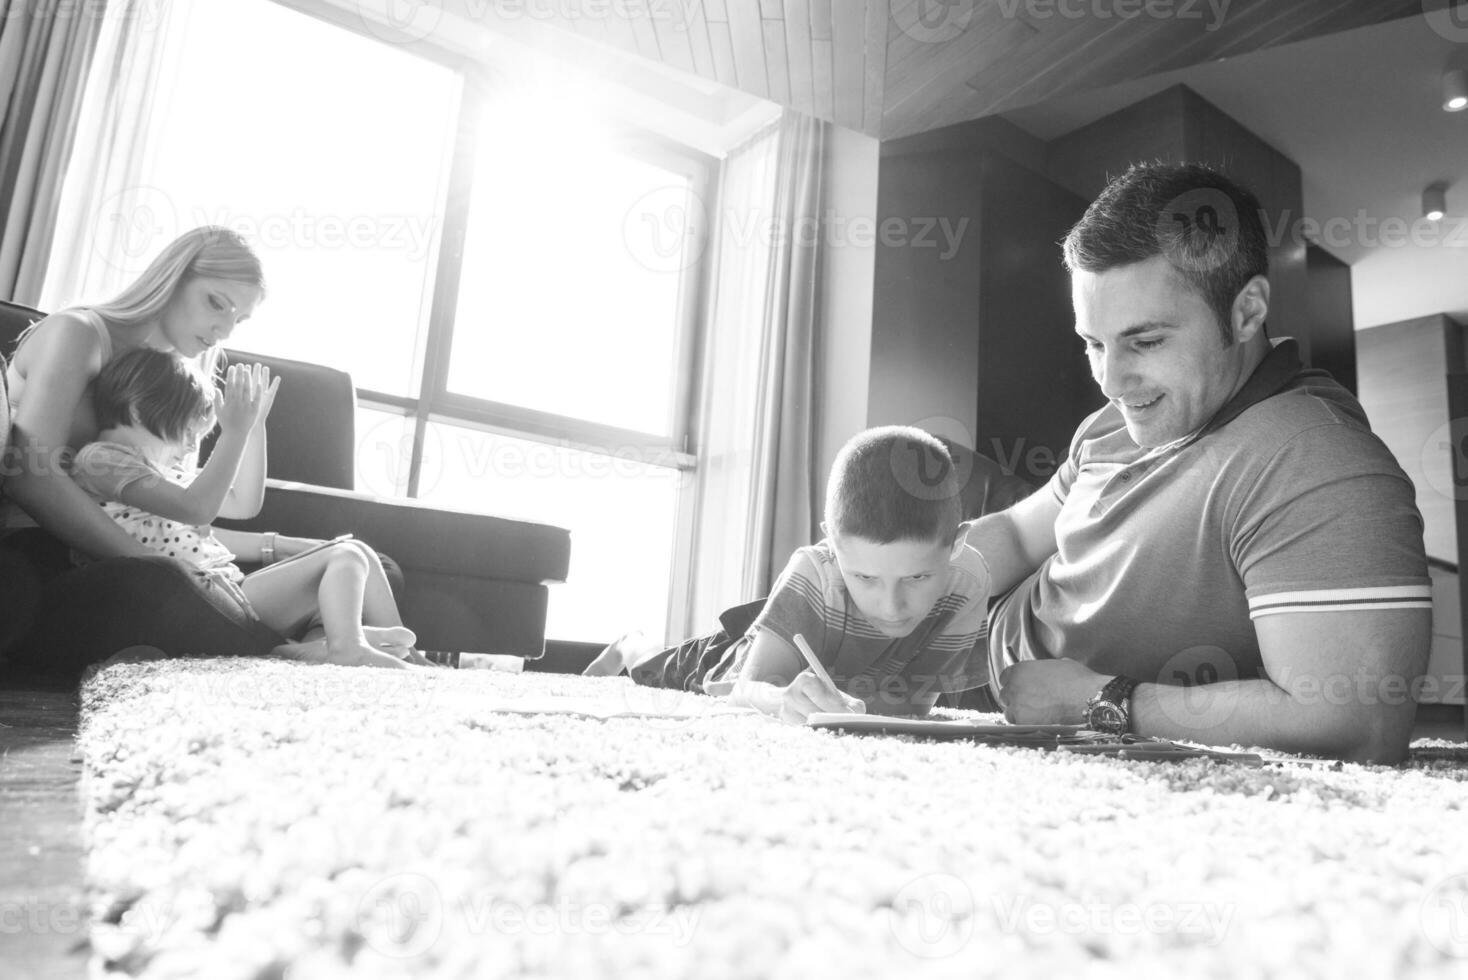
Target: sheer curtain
(109, 224)
(758, 497)
(45, 51)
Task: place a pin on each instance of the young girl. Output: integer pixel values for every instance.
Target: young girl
(152, 409)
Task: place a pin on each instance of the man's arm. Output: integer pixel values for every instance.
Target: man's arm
(1338, 685)
(1016, 541)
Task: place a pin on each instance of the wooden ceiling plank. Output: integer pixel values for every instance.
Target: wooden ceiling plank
(617, 31)
(672, 33)
(798, 53)
(915, 82)
(823, 79)
(769, 9)
(879, 15)
(747, 33)
(848, 41)
(640, 18)
(777, 60)
(699, 43)
(820, 20)
(715, 12)
(1098, 55)
(722, 47)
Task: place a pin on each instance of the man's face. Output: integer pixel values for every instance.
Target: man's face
(1156, 349)
(894, 585)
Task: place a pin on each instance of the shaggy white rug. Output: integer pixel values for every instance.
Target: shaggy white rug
(262, 819)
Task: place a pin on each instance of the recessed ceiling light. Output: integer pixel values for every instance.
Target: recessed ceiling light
(1435, 201)
(1455, 90)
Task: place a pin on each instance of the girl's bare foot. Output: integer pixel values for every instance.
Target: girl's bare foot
(346, 655)
(390, 636)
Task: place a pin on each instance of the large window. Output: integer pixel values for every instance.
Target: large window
(512, 283)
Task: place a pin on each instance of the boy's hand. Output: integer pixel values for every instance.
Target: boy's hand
(808, 694)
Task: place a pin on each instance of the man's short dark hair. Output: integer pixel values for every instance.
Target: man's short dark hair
(894, 483)
(156, 389)
(1210, 228)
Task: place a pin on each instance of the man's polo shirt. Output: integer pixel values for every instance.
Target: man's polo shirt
(1284, 502)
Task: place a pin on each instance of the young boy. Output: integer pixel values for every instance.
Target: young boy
(892, 601)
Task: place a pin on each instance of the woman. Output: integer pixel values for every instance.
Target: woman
(189, 300)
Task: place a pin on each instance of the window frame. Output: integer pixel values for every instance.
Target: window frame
(434, 403)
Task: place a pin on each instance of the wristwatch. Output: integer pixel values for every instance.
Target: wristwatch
(1110, 711)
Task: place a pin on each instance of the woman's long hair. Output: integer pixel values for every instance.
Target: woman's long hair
(210, 251)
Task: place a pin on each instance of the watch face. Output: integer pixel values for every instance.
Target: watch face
(1105, 717)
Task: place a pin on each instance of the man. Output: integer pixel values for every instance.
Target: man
(1228, 554)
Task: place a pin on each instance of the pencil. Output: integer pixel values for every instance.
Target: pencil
(814, 663)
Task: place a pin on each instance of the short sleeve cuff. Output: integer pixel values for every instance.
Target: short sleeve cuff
(1339, 600)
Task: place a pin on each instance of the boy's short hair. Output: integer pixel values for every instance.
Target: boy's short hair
(894, 483)
(156, 389)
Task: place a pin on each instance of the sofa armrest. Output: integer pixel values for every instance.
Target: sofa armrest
(418, 535)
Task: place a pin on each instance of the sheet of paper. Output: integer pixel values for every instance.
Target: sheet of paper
(614, 707)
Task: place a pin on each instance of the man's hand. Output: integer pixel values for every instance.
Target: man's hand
(808, 694)
(1049, 692)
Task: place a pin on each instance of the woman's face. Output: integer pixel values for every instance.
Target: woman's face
(204, 312)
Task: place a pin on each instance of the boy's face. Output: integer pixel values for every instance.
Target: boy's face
(894, 585)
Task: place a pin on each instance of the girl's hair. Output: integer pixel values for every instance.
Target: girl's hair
(157, 389)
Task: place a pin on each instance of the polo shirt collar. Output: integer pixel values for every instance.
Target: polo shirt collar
(1274, 373)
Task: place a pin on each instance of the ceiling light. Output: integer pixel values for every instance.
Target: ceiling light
(1455, 89)
(1435, 201)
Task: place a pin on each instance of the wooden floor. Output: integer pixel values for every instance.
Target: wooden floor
(42, 915)
(42, 920)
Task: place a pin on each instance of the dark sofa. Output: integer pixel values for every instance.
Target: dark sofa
(469, 581)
